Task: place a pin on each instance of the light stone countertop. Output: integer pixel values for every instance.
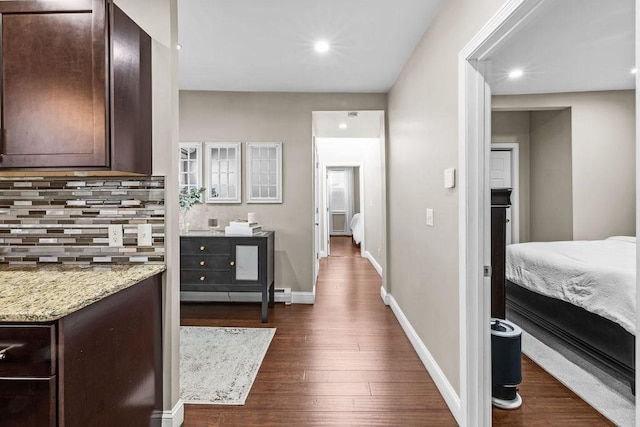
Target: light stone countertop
(47, 293)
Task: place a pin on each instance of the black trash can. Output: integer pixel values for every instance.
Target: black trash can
(506, 367)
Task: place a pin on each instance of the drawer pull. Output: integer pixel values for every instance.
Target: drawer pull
(202, 278)
(201, 262)
(232, 263)
(3, 351)
(202, 248)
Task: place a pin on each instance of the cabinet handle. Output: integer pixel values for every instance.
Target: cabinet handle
(232, 263)
(3, 352)
(202, 248)
(202, 278)
(201, 262)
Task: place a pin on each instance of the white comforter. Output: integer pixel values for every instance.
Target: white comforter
(598, 275)
(357, 228)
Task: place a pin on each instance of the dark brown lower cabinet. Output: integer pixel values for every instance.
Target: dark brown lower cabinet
(99, 366)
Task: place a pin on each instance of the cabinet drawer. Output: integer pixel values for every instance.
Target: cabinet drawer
(204, 245)
(29, 351)
(205, 262)
(28, 402)
(210, 277)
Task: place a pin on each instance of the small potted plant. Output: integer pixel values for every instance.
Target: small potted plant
(189, 196)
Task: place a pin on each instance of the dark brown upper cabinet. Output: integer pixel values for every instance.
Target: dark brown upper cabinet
(75, 87)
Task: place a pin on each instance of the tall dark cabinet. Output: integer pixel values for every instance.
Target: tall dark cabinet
(500, 201)
(74, 77)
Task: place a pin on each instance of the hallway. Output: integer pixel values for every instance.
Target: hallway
(345, 361)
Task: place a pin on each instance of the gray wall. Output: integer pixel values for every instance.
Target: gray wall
(423, 141)
(245, 116)
(551, 178)
(602, 157)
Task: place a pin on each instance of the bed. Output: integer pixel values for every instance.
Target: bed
(581, 291)
(356, 228)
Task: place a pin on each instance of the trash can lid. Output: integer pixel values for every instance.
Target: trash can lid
(504, 328)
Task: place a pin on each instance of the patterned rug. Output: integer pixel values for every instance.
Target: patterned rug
(219, 365)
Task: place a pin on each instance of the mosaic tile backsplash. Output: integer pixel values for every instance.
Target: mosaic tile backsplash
(65, 220)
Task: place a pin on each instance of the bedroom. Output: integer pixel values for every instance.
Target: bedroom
(575, 138)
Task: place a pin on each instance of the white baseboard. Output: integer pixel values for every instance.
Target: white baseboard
(444, 386)
(281, 295)
(299, 297)
(323, 254)
(373, 262)
(173, 417)
(384, 295)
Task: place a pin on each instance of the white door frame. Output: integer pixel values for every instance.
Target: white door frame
(474, 217)
(323, 210)
(514, 150)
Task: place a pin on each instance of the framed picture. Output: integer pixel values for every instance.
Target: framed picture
(264, 172)
(190, 165)
(223, 172)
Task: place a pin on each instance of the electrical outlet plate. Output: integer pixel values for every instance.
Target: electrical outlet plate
(115, 235)
(144, 235)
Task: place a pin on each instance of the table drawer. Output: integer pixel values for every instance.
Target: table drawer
(209, 277)
(206, 262)
(27, 351)
(204, 245)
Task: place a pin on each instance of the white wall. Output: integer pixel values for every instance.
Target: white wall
(423, 142)
(365, 151)
(602, 157)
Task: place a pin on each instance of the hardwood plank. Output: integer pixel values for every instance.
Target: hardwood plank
(345, 361)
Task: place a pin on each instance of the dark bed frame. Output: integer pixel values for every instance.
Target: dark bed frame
(599, 338)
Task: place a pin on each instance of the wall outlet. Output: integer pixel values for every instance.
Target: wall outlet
(144, 235)
(430, 217)
(115, 235)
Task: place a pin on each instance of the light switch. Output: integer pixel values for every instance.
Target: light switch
(115, 235)
(449, 178)
(430, 217)
(144, 235)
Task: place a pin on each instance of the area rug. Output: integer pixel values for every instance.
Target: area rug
(219, 365)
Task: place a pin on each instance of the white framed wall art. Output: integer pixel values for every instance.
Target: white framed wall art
(223, 172)
(264, 172)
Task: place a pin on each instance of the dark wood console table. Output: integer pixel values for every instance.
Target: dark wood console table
(213, 262)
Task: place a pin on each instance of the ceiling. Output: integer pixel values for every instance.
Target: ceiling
(260, 45)
(571, 46)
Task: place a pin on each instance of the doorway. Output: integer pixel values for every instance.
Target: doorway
(475, 113)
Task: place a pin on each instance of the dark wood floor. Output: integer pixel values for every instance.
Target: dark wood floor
(345, 361)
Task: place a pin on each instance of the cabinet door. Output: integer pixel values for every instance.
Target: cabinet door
(131, 121)
(248, 261)
(53, 84)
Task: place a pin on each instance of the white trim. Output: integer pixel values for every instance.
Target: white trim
(514, 148)
(373, 262)
(299, 297)
(280, 295)
(439, 378)
(323, 254)
(474, 121)
(637, 347)
(385, 295)
(173, 417)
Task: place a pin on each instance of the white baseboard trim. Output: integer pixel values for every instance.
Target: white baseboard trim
(281, 295)
(173, 417)
(373, 262)
(299, 297)
(444, 386)
(323, 254)
(384, 295)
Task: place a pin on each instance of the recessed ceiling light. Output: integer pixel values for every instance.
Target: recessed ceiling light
(178, 46)
(342, 125)
(634, 70)
(322, 46)
(514, 74)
